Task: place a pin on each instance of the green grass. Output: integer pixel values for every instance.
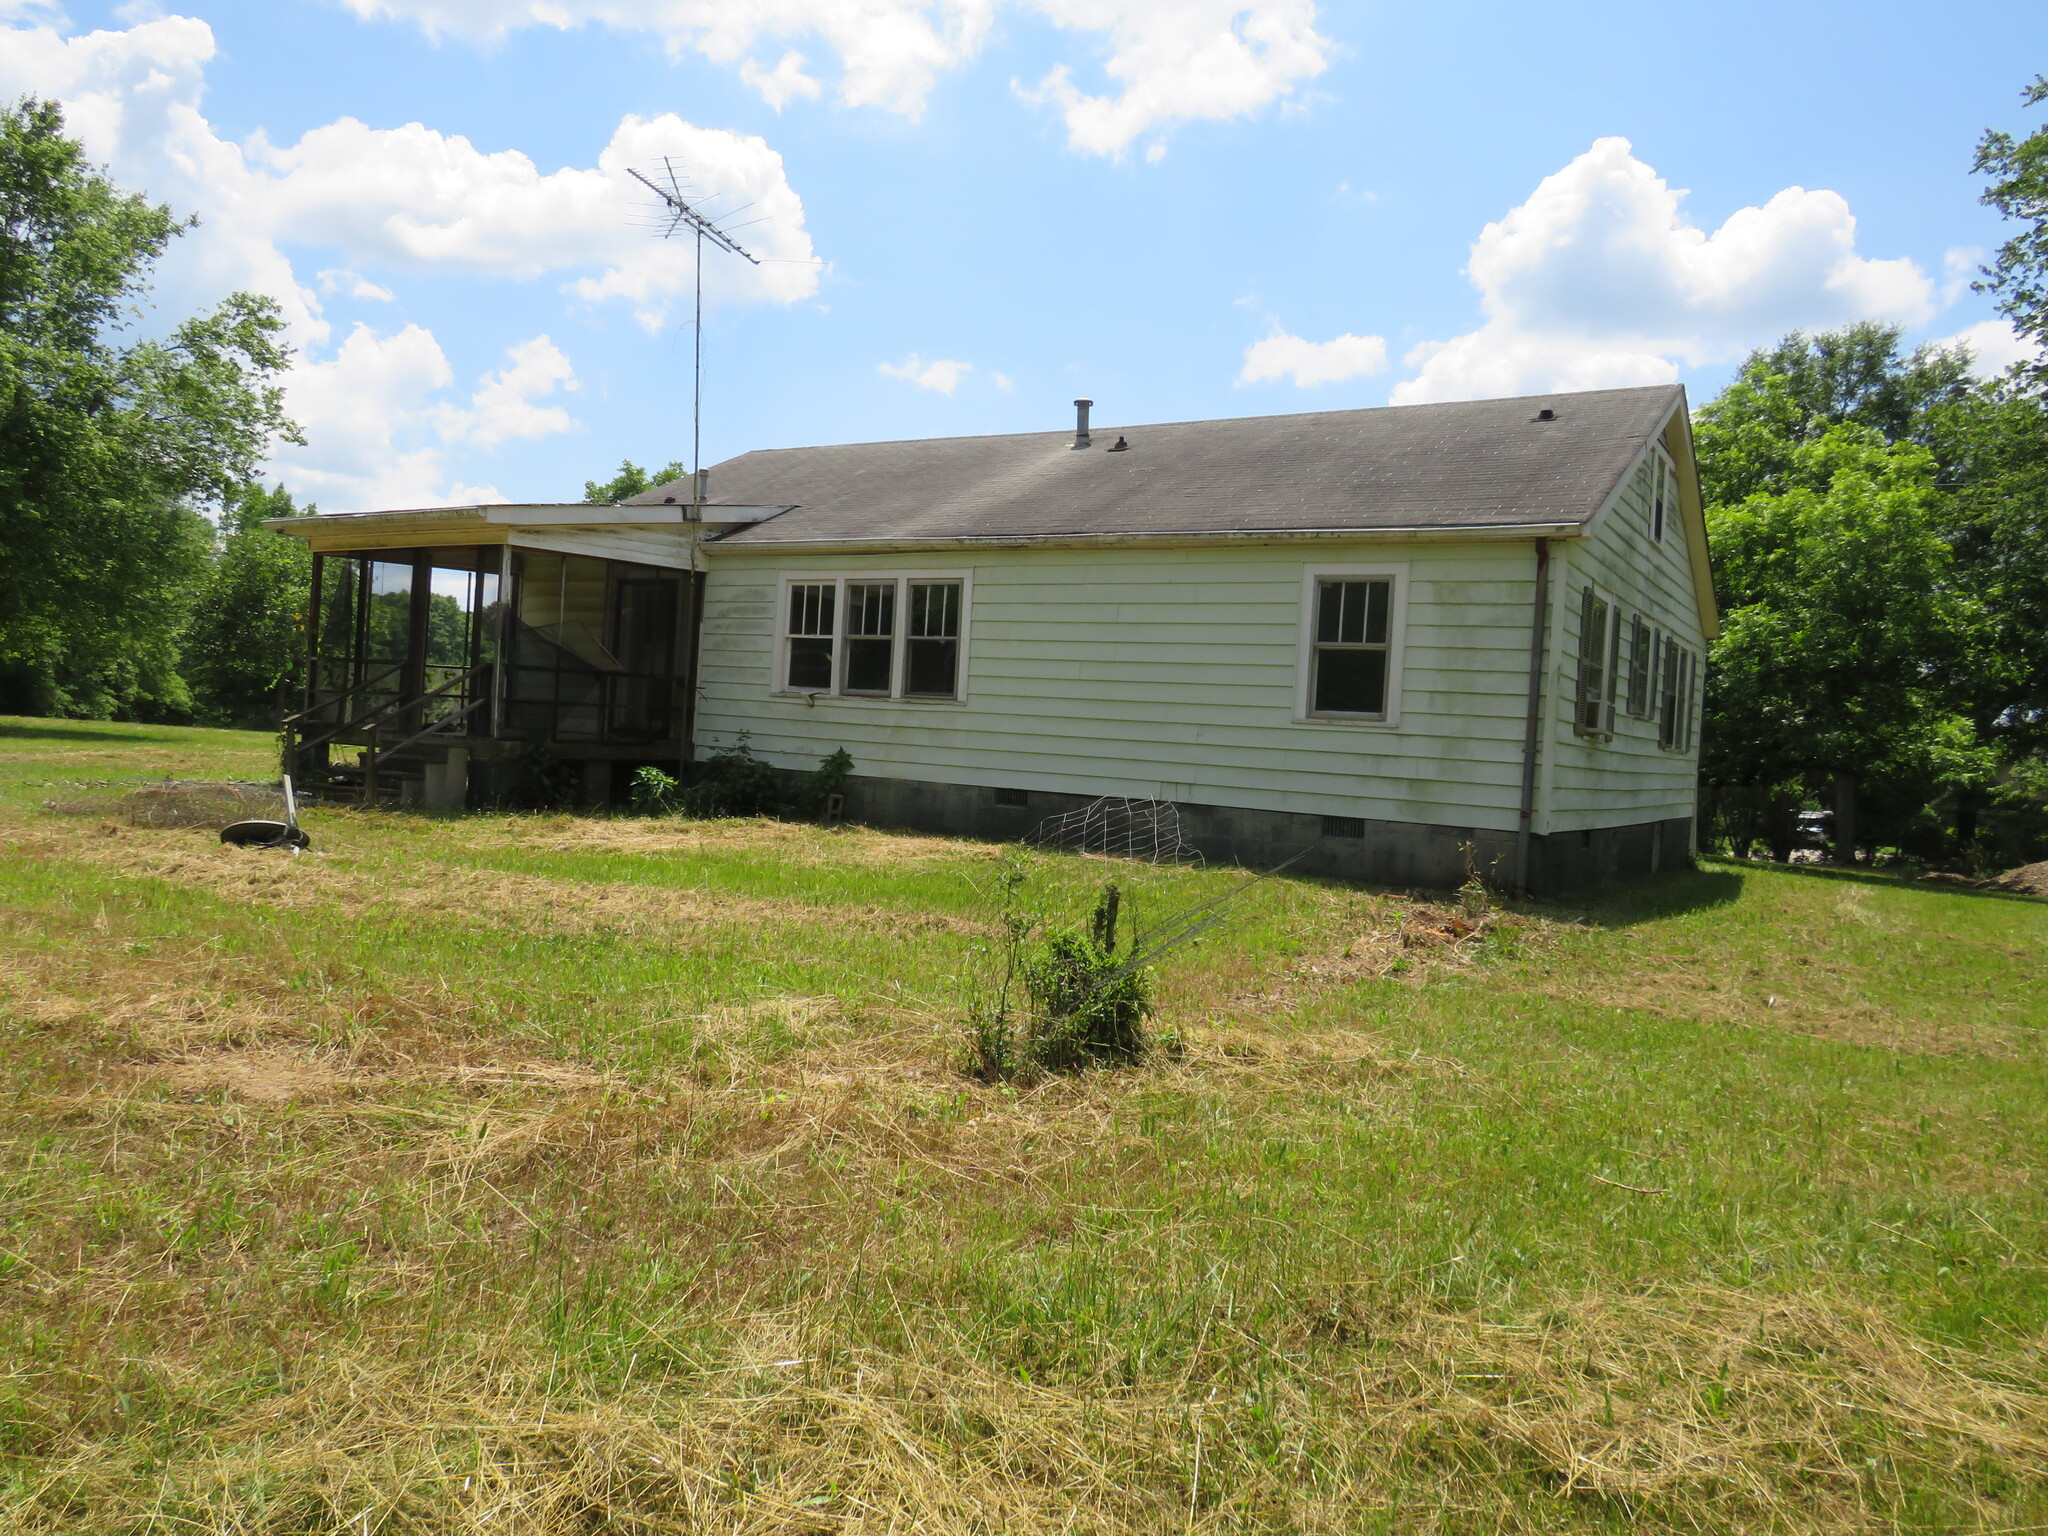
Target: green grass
(539, 1174)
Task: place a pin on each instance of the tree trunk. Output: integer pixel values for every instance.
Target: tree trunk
(1966, 821)
(1845, 818)
(1780, 819)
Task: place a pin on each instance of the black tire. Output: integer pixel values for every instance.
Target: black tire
(264, 834)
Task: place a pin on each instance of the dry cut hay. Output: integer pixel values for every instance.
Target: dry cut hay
(453, 892)
(1695, 1410)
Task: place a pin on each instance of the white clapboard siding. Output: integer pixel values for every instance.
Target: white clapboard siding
(1160, 673)
(1588, 783)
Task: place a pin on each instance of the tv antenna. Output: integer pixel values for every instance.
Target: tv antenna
(681, 216)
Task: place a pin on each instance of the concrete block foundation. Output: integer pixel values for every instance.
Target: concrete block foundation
(1397, 853)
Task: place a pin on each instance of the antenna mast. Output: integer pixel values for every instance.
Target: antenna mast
(681, 217)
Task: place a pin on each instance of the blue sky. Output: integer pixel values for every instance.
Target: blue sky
(975, 210)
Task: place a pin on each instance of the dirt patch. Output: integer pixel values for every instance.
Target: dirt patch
(2027, 880)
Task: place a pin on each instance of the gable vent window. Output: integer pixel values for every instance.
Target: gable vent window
(874, 637)
(1352, 626)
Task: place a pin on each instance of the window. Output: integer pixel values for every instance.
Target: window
(1599, 641)
(1663, 490)
(1353, 627)
(874, 637)
(1677, 685)
(870, 637)
(1641, 667)
(811, 610)
(933, 668)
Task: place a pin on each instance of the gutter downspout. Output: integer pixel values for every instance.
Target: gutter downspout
(1531, 731)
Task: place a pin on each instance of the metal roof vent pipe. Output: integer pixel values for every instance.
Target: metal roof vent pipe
(1081, 422)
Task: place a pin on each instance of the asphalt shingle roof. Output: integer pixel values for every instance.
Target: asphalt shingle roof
(1476, 464)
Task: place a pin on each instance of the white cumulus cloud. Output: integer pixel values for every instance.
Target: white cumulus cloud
(505, 405)
(1598, 280)
(1163, 61)
(1994, 346)
(355, 285)
(942, 374)
(1309, 363)
(782, 84)
(375, 407)
(1178, 61)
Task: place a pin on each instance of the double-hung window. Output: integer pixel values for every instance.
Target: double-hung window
(1642, 666)
(1599, 640)
(1351, 646)
(813, 608)
(1677, 687)
(874, 637)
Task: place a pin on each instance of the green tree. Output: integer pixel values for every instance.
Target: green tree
(1786, 396)
(2018, 275)
(631, 480)
(108, 448)
(1841, 626)
(245, 643)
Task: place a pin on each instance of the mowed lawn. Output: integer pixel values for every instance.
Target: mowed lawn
(544, 1174)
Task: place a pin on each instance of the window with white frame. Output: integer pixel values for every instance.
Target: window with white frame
(1599, 644)
(1351, 646)
(874, 637)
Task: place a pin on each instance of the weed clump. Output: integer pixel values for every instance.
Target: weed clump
(819, 794)
(734, 783)
(654, 792)
(1060, 999)
(1088, 1003)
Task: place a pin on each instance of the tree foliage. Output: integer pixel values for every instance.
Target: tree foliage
(631, 480)
(245, 643)
(1879, 531)
(2018, 275)
(109, 446)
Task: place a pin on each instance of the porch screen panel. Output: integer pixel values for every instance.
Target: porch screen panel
(462, 621)
(643, 639)
(386, 633)
(334, 638)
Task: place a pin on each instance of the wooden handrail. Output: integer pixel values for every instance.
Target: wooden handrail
(439, 725)
(378, 716)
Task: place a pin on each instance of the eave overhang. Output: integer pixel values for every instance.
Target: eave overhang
(1185, 539)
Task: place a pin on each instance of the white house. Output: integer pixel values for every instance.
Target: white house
(1361, 637)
